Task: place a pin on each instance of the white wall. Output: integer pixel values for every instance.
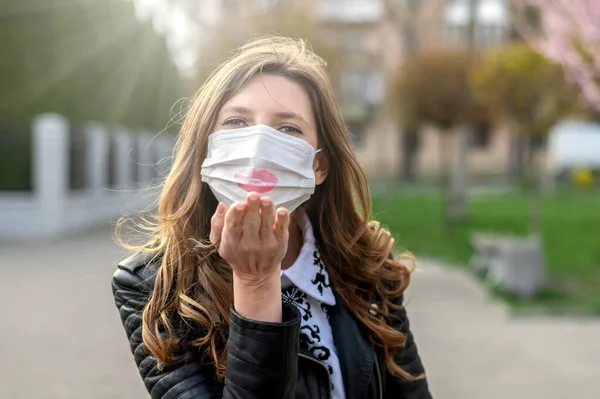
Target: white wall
(52, 209)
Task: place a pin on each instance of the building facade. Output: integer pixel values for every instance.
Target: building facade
(409, 26)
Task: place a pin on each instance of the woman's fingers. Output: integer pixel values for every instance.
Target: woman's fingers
(217, 222)
(282, 224)
(252, 217)
(267, 212)
(234, 219)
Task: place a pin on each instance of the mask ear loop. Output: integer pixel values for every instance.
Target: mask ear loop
(318, 151)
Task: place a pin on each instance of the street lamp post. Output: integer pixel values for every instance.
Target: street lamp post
(472, 25)
(410, 134)
(456, 205)
(410, 28)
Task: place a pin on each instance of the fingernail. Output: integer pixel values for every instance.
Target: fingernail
(265, 201)
(253, 197)
(240, 206)
(282, 212)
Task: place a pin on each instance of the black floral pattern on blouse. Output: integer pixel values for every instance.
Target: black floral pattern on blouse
(309, 334)
(313, 331)
(321, 279)
(294, 296)
(325, 309)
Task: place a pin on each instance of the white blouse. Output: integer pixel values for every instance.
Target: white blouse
(306, 285)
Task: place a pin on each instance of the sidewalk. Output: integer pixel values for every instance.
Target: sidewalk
(61, 337)
(473, 349)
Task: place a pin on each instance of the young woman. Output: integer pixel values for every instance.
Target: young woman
(263, 277)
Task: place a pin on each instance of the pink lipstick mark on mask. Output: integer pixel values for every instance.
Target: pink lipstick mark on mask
(260, 181)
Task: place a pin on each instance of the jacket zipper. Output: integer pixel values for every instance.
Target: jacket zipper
(379, 381)
(312, 359)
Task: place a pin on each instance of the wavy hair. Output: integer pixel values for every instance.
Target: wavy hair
(193, 285)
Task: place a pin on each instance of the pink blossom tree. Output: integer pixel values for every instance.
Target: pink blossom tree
(568, 33)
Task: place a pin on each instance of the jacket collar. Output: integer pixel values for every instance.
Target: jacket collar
(308, 272)
(355, 351)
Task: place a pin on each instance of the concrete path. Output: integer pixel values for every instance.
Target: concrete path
(473, 349)
(61, 338)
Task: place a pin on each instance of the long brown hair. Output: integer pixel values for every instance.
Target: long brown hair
(194, 285)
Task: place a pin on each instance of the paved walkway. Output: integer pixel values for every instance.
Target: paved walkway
(473, 349)
(61, 338)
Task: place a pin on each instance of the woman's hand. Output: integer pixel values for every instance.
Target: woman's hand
(253, 239)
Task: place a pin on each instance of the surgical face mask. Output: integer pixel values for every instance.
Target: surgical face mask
(260, 159)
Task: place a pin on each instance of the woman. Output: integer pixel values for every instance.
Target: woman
(262, 278)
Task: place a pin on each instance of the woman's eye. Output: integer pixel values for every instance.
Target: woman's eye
(234, 122)
(290, 130)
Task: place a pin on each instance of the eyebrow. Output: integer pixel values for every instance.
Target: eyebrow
(237, 110)
(280, 114)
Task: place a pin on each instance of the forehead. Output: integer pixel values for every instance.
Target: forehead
(273, 93)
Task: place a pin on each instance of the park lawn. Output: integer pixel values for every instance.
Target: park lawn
(571, 224)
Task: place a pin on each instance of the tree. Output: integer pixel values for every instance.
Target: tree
(88, 60)
(568, 33)
(525, 91)
(433, 88)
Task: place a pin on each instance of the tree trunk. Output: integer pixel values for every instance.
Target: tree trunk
(410, 148)
(517, 163)
(445, 165)
(535, 223)
(459, 181)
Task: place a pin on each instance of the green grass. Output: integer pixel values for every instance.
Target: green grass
(571, 233)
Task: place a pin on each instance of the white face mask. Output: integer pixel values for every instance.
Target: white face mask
(261, 159)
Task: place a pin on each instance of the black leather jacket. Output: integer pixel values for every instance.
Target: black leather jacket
(263, 359)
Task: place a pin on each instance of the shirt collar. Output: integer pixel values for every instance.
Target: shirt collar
(308, 272)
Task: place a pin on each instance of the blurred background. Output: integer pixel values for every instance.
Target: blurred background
(476, 121)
